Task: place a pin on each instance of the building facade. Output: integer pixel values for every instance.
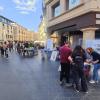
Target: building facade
(6, 29)
(42, 30)
(11, 31)
(74, 20)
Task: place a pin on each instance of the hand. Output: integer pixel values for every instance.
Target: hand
(94, 62)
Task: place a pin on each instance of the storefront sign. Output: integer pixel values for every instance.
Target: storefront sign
(73, 3)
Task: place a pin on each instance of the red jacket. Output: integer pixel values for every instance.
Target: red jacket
(65, 52)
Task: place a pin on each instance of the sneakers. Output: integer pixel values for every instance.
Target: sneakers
(97, 82)
(85, 92)
(77, 90)
(68, 84)
(61, 83)
(92, 81)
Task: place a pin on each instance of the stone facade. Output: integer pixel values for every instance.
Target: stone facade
(11, 31)
(83, 18)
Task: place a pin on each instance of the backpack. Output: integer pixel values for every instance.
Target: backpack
(78, 59)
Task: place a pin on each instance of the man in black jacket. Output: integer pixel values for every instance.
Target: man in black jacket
(96, 63)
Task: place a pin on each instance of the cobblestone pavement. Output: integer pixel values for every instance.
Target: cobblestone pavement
(34, 79)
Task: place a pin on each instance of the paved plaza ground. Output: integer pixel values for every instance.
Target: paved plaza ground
(34, 79)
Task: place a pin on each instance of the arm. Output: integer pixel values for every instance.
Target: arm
(94, 62)
(70, 59)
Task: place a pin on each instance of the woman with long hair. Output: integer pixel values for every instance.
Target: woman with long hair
(79, 58)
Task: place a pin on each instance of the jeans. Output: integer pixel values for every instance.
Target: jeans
(95, 72)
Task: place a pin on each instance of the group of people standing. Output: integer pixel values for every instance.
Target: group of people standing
(20, 47)
(73, 61)
(4, 49)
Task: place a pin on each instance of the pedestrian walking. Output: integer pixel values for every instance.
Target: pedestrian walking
(5, 48)
(1, 49)
(43, 53)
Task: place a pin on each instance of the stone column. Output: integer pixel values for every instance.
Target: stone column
(63, 5)
(49, 12)
(88, 34)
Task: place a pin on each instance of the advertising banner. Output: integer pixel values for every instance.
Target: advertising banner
(54, 56)
(49, 45)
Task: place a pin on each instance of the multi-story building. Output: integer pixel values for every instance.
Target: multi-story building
(6, 29)
(42, 30)
(74, 20)
(11, 31)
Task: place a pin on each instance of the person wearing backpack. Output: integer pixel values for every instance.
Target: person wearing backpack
(79, 57)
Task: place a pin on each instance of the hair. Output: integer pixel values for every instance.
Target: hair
(78, 49)
(90, 49)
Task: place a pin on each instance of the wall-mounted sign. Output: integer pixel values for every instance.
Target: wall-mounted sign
(49, 45)
(73, 3)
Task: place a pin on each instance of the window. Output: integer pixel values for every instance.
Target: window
(3, 24)
(97, 34)
(67, 4)
(73, 3)
(8, 31)
(0, 19)
(56, 10)
(6, 36)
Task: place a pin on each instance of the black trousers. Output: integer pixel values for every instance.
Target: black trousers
(2, 51)
(65, 72)
(78, 74)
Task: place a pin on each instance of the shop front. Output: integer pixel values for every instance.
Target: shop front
(79, 29)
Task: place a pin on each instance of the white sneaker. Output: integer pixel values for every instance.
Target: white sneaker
(86, 92)
(97, 82)
(77, 90)
(61, 83)
(92, 81)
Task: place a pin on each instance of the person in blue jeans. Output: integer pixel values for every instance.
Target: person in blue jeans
(96, 63)
(95, 73)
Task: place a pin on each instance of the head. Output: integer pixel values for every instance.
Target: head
(89, 50)
(67, 44)
(78, 49)
(5, 42)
